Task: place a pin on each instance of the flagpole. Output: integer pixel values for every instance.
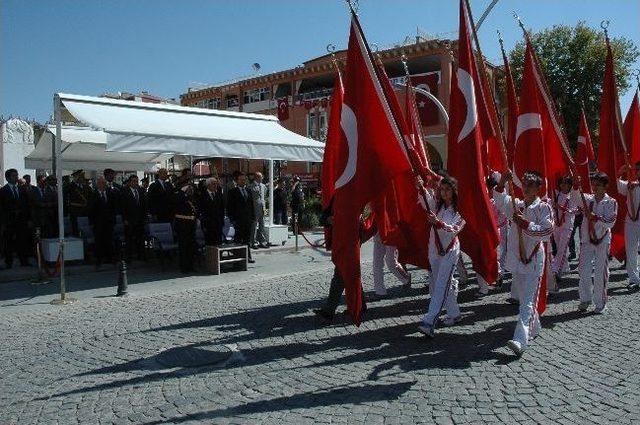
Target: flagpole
(503, 143)
(376, 69)
(412, 99)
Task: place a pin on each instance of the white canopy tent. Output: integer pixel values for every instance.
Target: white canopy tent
(145, 128)
(85, 148)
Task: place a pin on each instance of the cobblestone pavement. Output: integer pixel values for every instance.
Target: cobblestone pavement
(105, 360)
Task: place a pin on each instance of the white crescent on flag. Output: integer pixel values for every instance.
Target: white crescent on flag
(528, 121)
(583, 141)
(349, 125)
(465, 84)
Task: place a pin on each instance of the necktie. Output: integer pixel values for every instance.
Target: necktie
(104, 197)
(135, 195)
(15, 192)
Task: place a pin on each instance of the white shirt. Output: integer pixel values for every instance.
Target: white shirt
(633, 197)
(453, 224)
(565, 210)
(607, 212)
(540, 228)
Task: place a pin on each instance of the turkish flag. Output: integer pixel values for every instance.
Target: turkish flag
(632, 129)
(335, 152)
(529, 152)
(479, 238)
(512, 106)
(375, 156)
(402, 221)
(283, 109)
(428, 111)
(584, 154)
(612, 149)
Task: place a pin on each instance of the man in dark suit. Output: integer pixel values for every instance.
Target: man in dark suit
(51, 210)
(113, 187)
(159, 195)
(241, 211)
(102, 216)
(39, 207)
(212, 212)
(14, 214)
(78, 199)
(134, 214)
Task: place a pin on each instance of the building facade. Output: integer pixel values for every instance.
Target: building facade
(300, 98)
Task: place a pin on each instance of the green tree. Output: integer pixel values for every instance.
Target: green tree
(573, 60)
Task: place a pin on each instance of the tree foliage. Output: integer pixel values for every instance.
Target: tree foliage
(573, 60)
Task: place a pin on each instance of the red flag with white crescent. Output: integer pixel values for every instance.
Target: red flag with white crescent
(632, 129)
(283, 109)
(376, 155)
(479, 238)
(335, 152)
(612, 151)
(584, 154)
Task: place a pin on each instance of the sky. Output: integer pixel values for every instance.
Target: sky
(91, 47)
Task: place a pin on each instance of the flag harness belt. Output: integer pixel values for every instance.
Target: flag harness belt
(564, 208)
(442, 251)
(527, 260)
(592, 231)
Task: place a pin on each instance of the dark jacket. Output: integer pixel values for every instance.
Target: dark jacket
(160, 200)
(101, 212)
(240, 208)
(297, 199)
(211, 210)
(279, 199)
(14, 211)
(133, 211)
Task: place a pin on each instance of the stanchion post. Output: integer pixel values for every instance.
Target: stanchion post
(295, 227)
(123, 281)
(40, 278)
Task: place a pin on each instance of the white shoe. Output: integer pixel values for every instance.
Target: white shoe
(516, 347)
(600, 310)
(450, 321)
(427, 330)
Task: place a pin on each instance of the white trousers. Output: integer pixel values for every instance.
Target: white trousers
(502, 248)
(528, 324)
(388, 255)
(560, 263)
(593, 269)
(632, 243)
(445, 288)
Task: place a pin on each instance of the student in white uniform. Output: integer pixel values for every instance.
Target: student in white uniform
(595, 241)
(383, 254)
(533, 218)
(565, 210)
(444, 252)
(502, 222)
(631, 190)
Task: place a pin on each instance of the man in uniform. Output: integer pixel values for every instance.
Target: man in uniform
(78, 199)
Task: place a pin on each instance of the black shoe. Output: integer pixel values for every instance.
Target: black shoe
(251, 260)
(254, 246)
(324, 315)
(263, 245)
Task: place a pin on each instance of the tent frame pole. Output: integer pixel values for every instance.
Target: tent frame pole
(271, 178)
(57, 160)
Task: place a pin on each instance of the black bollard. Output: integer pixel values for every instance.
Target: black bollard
(122, 273)
(40, 280)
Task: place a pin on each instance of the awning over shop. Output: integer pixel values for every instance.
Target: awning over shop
(85, 148)
(171, 129)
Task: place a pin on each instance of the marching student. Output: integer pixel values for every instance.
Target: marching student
(503, 223)
(384, 254)
(595, 240)
(444, 252)
(629, 188)
(565, 211)
(534, 218)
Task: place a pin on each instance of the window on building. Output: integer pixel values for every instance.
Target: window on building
(317, 125)
(213, 103)
(232, 101)
(257, 95)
